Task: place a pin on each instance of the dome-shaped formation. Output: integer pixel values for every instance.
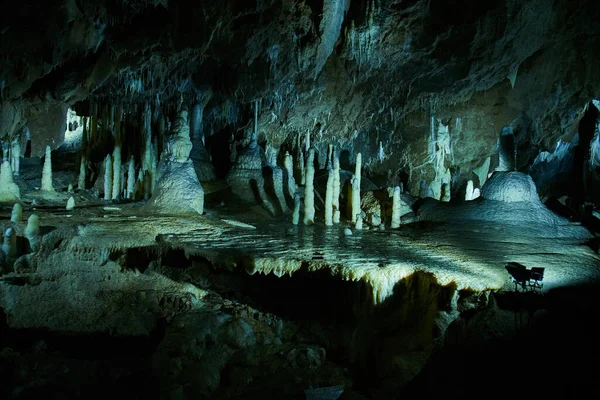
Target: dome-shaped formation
(510, 187)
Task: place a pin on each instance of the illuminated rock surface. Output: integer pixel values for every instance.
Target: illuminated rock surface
(298, 199)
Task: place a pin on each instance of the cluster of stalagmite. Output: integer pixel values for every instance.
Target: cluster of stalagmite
(12, 246)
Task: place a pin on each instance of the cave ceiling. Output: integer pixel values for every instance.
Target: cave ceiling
(361, 72)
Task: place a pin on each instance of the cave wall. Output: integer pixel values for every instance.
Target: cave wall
(367, 76)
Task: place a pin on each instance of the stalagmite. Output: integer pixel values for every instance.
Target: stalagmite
(423, 189)
(123, 185)
(9, 190)
(70, 204)
(177, 188)
(307, 141)
(82, 173)
(469, 191)
(10, 243)
(336, 190)
(116, 183)
(302, 168)
(288, 163)
(445, 192)
(139, 184)
(309, 192)
(147, 185)
(329, 199)
(131, 179)
(355, 200)
(15, 155)
(354, 191)
(357, 171)
(70, 188)
(507, 150)
(153, 169)
(278, 187)
(47, 172)
(396, 207)
(32, 232)
(330, 151)
(359, 222)
(108, 172)
(296, 217)
(199, 155)
(17, 213)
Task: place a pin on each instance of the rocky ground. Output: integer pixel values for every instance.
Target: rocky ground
(236, 304)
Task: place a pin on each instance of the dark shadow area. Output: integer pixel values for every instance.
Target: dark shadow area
(38, 364)
(552, 356)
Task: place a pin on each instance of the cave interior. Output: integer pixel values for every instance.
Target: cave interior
(299, 199)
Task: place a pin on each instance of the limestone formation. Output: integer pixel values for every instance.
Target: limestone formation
(309, 191)
(288, 163)
(17, 213)
(70, 204)
(9, 245)
(297, 204)
(130, 193)
(336, 190)
(47, 172)
(9, 190)
(507, 150)
(178, 190)
(396, 208)
(82, 173)
(329, 198)
(116, 166)
(108, 174)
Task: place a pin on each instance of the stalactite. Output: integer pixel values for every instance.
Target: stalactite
(309, 192)
(47, 172)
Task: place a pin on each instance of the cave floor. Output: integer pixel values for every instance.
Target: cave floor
(472, 254)
(94, 289)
